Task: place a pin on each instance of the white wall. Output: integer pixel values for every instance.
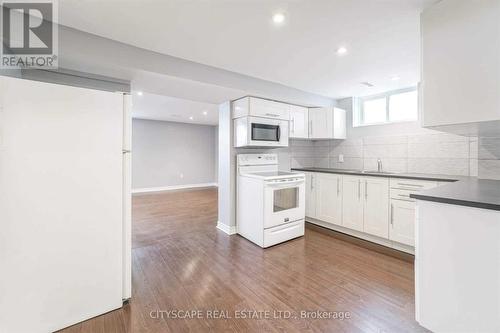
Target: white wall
(171, 154)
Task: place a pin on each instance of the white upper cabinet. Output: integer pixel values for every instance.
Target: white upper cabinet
(258, 107)
(299, 122)
(327, 123)
(460, 65)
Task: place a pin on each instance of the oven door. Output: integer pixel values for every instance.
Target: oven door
(284, 201)
(267, 132)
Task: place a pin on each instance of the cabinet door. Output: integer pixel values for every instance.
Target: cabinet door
(299, 122)
(329, 198)
(339, 124)
(320, 123)
(402, 228)
(269, 109)
(376, 199)
(352, 203)
(310, 194)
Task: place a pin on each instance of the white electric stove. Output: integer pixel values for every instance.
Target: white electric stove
(270, 204)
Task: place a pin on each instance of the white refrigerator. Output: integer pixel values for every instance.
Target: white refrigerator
(64, 204)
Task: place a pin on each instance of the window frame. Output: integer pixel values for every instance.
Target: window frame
(387, 95)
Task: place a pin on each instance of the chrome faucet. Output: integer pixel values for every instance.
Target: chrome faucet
(379, 165)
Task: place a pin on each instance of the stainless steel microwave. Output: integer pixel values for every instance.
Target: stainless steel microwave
(260, 132)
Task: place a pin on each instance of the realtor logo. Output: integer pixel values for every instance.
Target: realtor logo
(29, 34)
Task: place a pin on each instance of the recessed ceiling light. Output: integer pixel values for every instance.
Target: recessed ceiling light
(279, 18)
(191, 118)
(205, 113)
(341, 50)
(395, 78)
(139, 93)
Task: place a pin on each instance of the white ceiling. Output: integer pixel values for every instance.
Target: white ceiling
(382, 38)
(158, 107)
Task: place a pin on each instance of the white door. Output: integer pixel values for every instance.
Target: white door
(321, 123)
(60, 205)
(329, 198)
(376, 197)
(299, 122)
(402, 228)
(310, 194)
(352, 202)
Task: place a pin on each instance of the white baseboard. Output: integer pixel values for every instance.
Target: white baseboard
(171, 188)
(230, 230)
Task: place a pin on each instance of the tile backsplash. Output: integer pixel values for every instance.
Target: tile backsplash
(436, 153)
(488, 158)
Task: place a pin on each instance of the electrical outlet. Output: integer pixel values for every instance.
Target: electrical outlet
(341, 158)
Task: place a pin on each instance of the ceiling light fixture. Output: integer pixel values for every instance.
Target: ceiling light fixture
(191, 118)
(205, 113)
(139, 93)
(341, 50)
(279, 18)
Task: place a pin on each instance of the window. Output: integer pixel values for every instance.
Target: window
(394, 106)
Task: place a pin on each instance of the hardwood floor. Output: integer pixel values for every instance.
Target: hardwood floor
(182, 262)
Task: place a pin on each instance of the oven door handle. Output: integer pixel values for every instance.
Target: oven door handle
(285, 184)
(279, 133)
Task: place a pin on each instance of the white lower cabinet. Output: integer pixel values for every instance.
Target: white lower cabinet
(376, 206)
(329, 198)
(365, 206)
(352, 202)
(402, 226)
(311, 194)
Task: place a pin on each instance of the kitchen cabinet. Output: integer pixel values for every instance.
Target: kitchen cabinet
(366, 206)
(310, 194)
(329, 198)
(456, 77)
(258, 107)
(327, 123)
(402, 208)
(299, 122)
(402, 226)
(352, 202)
(376, 206)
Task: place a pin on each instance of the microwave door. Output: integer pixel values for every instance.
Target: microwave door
(265, 132)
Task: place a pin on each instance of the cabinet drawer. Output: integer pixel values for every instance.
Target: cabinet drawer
(402, 194)
(283, 232)
(412, 184)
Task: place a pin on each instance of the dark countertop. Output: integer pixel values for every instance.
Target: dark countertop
(478, 193)
(417, 176)
(462, 191)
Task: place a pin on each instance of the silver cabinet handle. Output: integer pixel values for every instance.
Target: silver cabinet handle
(366, 190)
(272, 115)
(359, 189)
(293, 125)
(312, 181)
(338, 186)
(392, 214)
